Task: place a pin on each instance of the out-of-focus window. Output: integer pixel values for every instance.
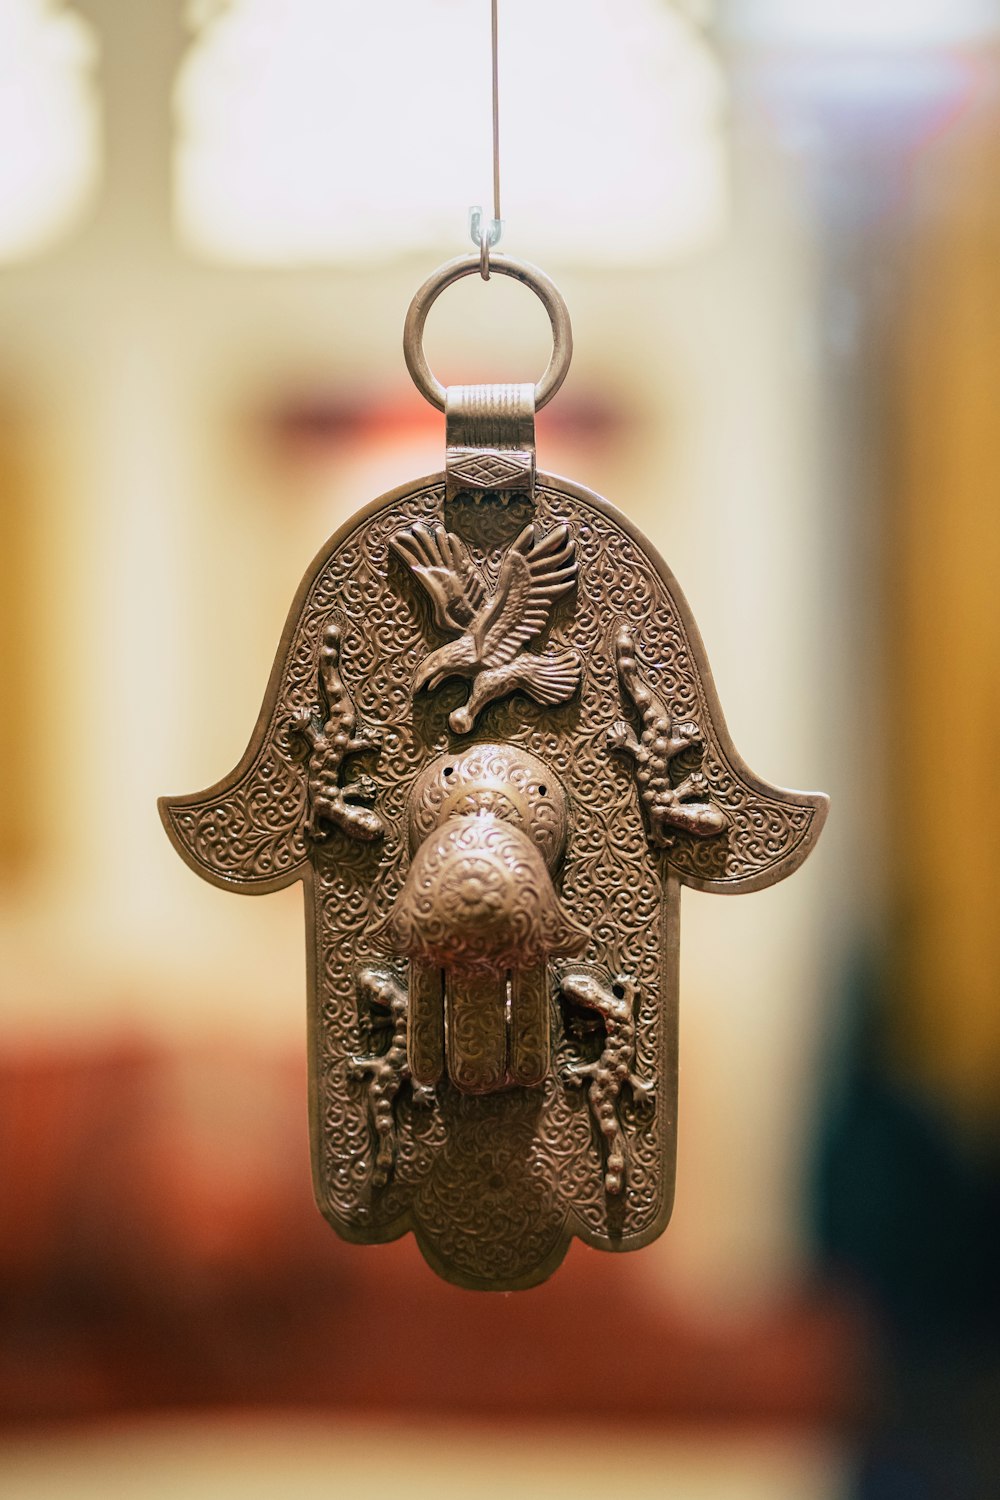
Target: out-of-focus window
(862, 23)
(49, 124)
(329, 131)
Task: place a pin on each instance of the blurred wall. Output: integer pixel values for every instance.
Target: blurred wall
(945, 702)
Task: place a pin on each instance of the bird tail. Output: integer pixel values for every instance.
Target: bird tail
(551, 678)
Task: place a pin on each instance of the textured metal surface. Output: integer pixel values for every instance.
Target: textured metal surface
(489, 441)
(479, 918)
(493, 1063)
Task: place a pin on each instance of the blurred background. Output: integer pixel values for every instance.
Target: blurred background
(777, 226)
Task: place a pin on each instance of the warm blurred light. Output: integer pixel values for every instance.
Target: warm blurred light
(864, 23)
(48, 123)
(325, 130)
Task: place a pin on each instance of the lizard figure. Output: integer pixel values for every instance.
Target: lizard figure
(325, 738)
(685, 806)
(614, 1003)
(379, 991)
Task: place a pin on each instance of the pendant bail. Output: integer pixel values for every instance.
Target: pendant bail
(490, 438)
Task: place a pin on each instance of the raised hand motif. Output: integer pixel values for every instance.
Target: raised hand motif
(479, 918)
(493, 630)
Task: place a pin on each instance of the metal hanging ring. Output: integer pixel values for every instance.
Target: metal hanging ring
(468, 265)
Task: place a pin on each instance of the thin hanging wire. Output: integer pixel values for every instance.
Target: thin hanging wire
(496, 114)
(485, 238)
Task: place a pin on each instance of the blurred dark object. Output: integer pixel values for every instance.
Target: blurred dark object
(908, 1209)
(909, 1216)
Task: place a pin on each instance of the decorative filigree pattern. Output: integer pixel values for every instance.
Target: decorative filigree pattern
(486, 1215)
(478, 897)
(501, 779)
(494, 1185)
(484, 470)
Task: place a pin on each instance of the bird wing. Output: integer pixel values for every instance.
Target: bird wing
(442, 563)
(536, 572)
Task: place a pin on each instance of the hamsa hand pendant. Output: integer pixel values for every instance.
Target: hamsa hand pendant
(491, 749)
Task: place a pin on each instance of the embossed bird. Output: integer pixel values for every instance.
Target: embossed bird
(494, 629)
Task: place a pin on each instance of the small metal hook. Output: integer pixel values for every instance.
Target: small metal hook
(484, 240)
